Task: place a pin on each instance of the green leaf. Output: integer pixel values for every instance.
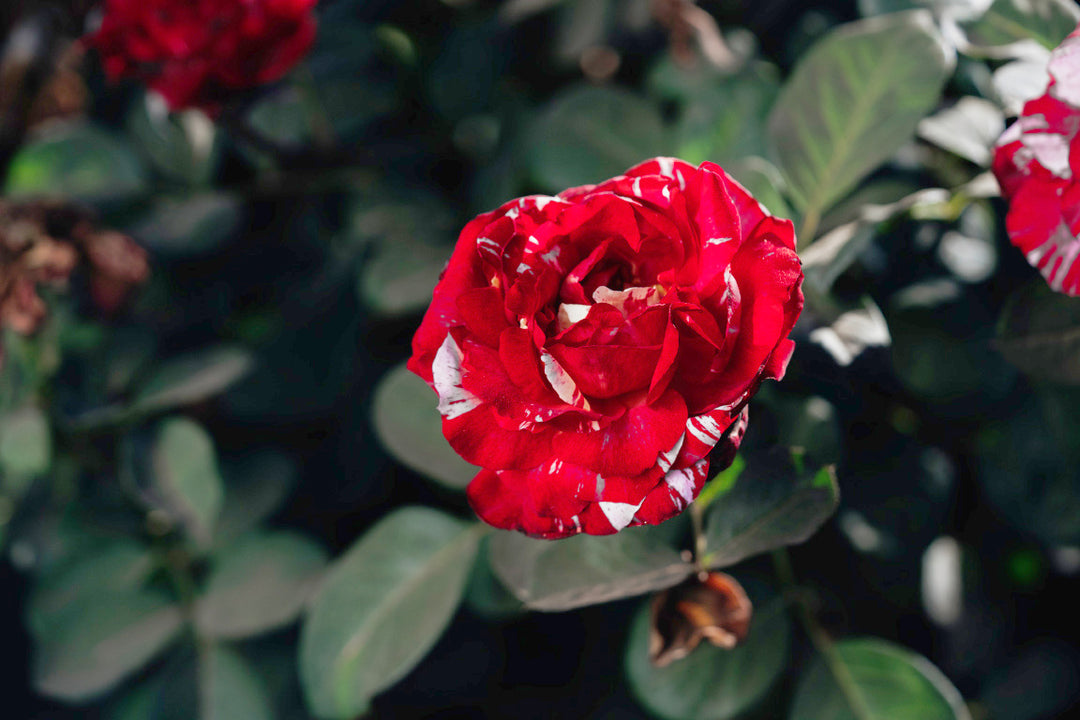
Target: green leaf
(711, 683)
(183, 227)
(968, 129)
(181, 146)
(382, 607)
(853, 101)
(764, 182)
(1039, 332)
(871, 679)
(775, 502)
(229, 689)
(110, 638)
(1010, 22)
(588, 134)
(409, 426)
(585, 569)
(258, 584)
(193, 378)
(256, 486)
(25, 444)
(84, 162)
(186, 480)
(952, 9)
(217, 684)
(486, 595)
(119, 567)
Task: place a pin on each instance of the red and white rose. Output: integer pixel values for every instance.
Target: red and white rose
(591, 349)
(1037, 164)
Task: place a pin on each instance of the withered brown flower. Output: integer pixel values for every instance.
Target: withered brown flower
(712, 606)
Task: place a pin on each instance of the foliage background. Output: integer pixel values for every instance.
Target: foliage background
(294, 246)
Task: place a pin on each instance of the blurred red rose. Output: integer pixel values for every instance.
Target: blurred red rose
(196, 52)
(1037, 163)
(590, 349)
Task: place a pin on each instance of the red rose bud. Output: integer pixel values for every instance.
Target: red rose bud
(1036, 161)
(591, 349)
(195, 53)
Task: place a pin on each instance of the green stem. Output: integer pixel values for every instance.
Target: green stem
(697, 511)
(819, 638)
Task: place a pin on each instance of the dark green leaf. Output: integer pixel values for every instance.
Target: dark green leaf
(852, 101)
(186, 481)
(711, 683)
(229, 689)
(589, 134)
(189, 226)
(410, 427)
(1039, 332)
(586, 569)
(193, 378)
(256, 486)
(258, 584)
(870, 679)
(76, 161)
(773, 503)
(111, 637)
(181, 146)
(25, 446)
(382, 606)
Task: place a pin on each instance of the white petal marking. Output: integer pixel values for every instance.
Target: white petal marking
(454, 400)
(682, 481)
(665, 459)
(619, 514)
(560, 380)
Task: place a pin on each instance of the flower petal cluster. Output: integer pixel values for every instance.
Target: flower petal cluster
(591, 349)
(1037, 164)
(195, 53)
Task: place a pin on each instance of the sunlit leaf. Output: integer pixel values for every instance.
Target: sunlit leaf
(383, 605)
(585, 570)
(408, 424)
(871, 679)
(852, 101)
(969, 129)
(1009, 23)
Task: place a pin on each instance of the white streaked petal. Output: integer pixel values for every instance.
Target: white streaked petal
(682, 481)
(665, 459)
(560, 380)
(619, 514)
(454, 400)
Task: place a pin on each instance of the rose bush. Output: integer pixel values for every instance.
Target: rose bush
(1037, 161)
(196, 52)
(591, 349)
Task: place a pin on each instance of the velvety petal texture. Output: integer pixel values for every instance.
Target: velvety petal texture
(592, 350)
(1036, 162)
(195, 52)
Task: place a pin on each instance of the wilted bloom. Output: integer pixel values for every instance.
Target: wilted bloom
(713, 607)
(196, 53)
(591, 349)
(1037, 163)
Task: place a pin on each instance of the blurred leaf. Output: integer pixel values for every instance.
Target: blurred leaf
(1039, 332)
(851, 102)
(585, 570)
(1040, 680)
(853, 332)
(193, 378)
(1028, 462)
(189, 226)
(969, 129)
(1009, 22)
(219, 685)
(764, 182)
(382, 606)
(486, 595)
(464, 75)
(1018, 81)
(256, 486)
(25, 447)
(871, 679)
(725, 121)
(712, 683)
(953, 9)
(186, 480)
(588, 134)
(119, 567)
(258, 584)
(84, 162)
(409, 426)
(773, 502)
(229, 689)
(182, 146)
(811, 424)
(111, 637)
